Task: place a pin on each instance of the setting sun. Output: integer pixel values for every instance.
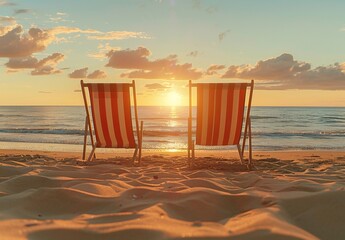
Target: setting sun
(173, 99)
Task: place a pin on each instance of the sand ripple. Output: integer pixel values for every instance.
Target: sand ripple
(44, 198)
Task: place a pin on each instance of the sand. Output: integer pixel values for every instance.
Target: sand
(289, 195)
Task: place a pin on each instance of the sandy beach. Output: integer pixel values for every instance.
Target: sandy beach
(289, 195)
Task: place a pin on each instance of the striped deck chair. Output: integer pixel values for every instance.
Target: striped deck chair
(220, 114)
(111, 115)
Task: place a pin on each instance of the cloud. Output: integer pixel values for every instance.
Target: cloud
(45, 70)
(5, 29)
(59, 17)
(99, 55)
(22, 63)
(213, 69)
(281, 67)
(32, 62)
(193, 54)
(118, 35)
(63, 30)
(67, 30)
(103, 50)
(97, 74)
(51, 60)
(7, 24)
(11, 71)
(283, 72)
(7, 19)
(43, 67)
(166, 68)
(21, 11)
(331, 77)
(222, 35)
(156, 86)
(129, 59)
(15, 43)
(79, 73)
(95, 34)
(82, 73)
(6, 3)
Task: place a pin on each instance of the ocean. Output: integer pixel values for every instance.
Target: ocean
(274, 128)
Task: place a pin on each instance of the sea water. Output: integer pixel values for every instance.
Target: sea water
(273, 128)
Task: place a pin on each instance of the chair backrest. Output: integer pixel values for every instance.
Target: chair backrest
(220, 110)
(111, 114)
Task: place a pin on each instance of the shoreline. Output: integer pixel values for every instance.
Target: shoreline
(223, 154)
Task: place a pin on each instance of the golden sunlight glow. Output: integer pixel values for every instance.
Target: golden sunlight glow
(173, 99)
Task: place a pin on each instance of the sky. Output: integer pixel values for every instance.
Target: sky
(293, 49)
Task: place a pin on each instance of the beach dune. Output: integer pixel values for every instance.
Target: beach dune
(290, 195)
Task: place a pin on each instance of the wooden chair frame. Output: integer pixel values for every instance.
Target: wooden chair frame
(247, 129)
(88, 126)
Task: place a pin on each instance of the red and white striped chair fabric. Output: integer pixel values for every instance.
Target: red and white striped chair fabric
(220, 110)
(111, 114)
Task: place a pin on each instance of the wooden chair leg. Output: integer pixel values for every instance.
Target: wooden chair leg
(134, 155)
(189, 156)
(92, 154)
(250, 143)
(193, 153)
(140, 140)
(189, 160)
(240, 153)
(188, 151)
(85, 138)
(189, 140)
